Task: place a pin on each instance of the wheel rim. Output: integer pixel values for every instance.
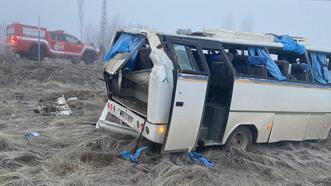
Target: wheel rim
(239, 141)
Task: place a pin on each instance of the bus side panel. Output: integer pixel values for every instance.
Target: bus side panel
(289, 126)
(327, 126)
(160, 84)
(256, 95)
(291, 103)
(260, 120)
(315, 129)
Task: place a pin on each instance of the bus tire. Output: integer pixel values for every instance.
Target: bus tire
(89, 57)
(33, 53)
(241, 138)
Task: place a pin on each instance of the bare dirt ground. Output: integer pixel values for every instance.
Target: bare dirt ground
(71, 152)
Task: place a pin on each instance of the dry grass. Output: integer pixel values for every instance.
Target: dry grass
(6, 56)
(71, 152)
(4, 143)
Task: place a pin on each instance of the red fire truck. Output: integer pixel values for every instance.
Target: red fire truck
(24, 41)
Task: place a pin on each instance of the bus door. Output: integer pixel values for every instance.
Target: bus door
(191, 80)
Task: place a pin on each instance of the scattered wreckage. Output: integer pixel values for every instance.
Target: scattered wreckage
(55, 106)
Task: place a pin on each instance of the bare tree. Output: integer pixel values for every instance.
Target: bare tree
(3, 29)
(246, 24)
(228, 22)
(80, 5)
(114, 24)
(91, 33)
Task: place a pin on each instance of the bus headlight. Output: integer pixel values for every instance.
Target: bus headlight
(161, 130)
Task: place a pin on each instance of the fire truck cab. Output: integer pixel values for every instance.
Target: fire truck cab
(24, 41)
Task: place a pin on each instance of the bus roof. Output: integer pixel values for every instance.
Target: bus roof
(238, 38)
(256, 39)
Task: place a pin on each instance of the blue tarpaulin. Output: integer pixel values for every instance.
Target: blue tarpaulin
(197, 157)
(290, 45)
(127, 155)
(319, 67)
(270, 64)
(125, 43)
(257, 60)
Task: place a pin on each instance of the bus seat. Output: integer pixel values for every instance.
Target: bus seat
(230, 56)
(240, 63)
(214, 58)
(299, 71)
(242, 66)
(284, 67)
(144, 61)
(257, 70)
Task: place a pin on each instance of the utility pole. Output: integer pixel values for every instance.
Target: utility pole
(103, 29)
(103, 22)
(39, 35)
(80, 5)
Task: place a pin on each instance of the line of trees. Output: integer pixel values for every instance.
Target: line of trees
(92, 31)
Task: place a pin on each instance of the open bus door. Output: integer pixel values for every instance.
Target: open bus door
(191, 84)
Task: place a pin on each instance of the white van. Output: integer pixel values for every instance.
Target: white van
(184, 91)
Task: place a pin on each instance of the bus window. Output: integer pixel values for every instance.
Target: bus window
(293, 66)
(329, 68)
(184, 61)
(238, 55)
(188, 58)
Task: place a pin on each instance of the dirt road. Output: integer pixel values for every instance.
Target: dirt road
(71, 152)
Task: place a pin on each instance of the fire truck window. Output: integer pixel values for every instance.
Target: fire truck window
(71, 39)
(10, 31)
(58, 37)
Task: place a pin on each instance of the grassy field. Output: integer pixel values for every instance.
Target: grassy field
(71, 152)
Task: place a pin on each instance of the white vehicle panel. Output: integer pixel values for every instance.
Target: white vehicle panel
(260, 95)
(160, 83)
(291, 103)
(289, 126)
(186, 119)
(316, 128)
(262, 121)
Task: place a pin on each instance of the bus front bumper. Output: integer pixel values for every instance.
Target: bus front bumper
(131, 123)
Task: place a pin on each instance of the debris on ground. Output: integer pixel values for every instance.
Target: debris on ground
(72, 99)
(54, 107)
(127, 155)
(32, 134)
(197, 157)
(19, 98)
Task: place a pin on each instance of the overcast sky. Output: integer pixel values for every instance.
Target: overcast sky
(308, 18)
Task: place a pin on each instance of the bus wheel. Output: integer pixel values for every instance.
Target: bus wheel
(241, 138)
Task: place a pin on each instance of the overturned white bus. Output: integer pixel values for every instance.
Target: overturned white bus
(216, 87)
